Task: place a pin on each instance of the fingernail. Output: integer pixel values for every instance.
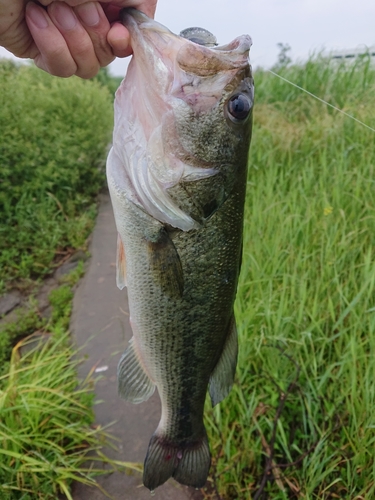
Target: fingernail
(88, 13)
(64, 15)
(37, 15)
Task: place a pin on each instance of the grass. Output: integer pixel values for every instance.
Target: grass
(45, 414)
(45, 432)
(303, 406)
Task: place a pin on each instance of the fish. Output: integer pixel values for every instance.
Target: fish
(177, 174)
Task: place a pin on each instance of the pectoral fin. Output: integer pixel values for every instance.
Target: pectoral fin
(120, 264)
(134, 384)
(165, 264)
(222, 377)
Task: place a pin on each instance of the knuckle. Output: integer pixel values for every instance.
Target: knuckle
(105, 59)
(63, 71)
(103, 50)
(88, 72)
(82, 51)
(58, 57)
(64, 74)
(60, 67)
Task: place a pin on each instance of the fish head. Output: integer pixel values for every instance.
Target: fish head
(183, 117)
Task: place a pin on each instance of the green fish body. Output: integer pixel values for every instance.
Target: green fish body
(177, 177)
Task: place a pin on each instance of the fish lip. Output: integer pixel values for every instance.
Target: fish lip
(240, 45)
(135, 20)
(132, 19)
(148, 38)
(136, 14)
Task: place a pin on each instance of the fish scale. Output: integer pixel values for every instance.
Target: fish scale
(181, 277)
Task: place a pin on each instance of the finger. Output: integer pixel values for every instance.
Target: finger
(148, 7)
(54, 55)
(77, 39)
(71, 3)
(97, 26)
(119, 39)
(111, 11)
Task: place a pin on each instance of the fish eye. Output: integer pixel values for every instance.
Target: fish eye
(239, 107)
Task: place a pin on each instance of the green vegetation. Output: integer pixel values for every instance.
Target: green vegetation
(45, 431)
(300, 420)
(54, 135)
(107, 80)
(45, 419)
(305, 391)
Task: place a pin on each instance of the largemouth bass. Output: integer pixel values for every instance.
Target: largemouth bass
(177, 178)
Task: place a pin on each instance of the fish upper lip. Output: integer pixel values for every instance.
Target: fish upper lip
(136, 14)
(133, 19)
(131, 16)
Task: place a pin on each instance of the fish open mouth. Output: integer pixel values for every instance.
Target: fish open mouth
(151, 39)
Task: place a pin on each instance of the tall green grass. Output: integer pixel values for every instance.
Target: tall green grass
(306, 300)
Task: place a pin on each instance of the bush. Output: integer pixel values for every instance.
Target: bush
(54, 136)
(107, 80)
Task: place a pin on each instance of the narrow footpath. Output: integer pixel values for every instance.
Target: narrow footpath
(100, 325)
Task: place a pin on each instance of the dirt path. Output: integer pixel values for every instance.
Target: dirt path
(100, 314)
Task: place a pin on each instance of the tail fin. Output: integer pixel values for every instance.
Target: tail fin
(189, 463)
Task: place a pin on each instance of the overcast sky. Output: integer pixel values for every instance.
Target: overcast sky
(306, 25)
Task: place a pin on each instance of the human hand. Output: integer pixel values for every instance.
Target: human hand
(69, 37)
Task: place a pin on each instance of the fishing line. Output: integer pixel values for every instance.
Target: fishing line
(322, 100)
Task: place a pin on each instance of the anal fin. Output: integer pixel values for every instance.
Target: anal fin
(222, 376)
(134, 384)
(120, 264)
